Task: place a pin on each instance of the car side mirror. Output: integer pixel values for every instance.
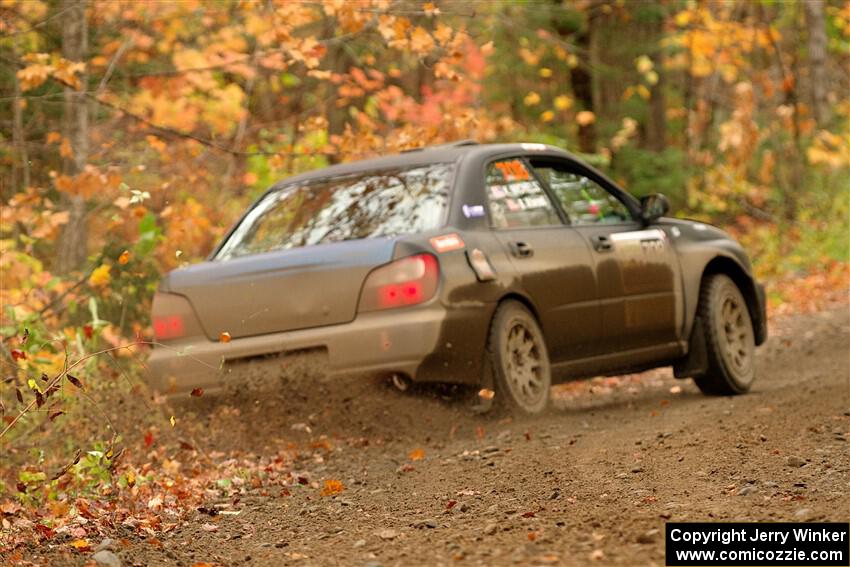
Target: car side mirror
(653, 207)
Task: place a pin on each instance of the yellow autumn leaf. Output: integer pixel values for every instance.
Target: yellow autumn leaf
(34, 75)
(172, 421)
(563, 102)
(531, 99)
(644, 64)
(443, 34)
(100, 277)
(547, 116)
(81, 544)
(421, 41)
(66, 71)
(545, 72)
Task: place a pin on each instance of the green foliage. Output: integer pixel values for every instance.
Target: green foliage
(644, 171)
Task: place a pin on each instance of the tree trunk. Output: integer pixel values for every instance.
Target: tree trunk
(582, 83)
(816, 24)
(656, 126)
(581, 76)
(338, 62)
(20, 164)
(73, 245)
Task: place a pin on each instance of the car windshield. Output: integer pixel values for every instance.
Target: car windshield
(349, 207)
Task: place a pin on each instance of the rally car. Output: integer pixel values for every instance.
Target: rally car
(506, 267)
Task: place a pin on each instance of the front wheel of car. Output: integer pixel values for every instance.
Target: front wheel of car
(729, 338)
(518, 360)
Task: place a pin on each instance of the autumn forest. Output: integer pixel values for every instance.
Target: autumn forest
(134, 133)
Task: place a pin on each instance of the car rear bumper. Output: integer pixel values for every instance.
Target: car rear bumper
(391, 341)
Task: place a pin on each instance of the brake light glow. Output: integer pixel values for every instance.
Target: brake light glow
(168, 327)
(405, 282)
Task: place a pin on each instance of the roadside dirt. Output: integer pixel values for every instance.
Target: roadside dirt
(425, 482)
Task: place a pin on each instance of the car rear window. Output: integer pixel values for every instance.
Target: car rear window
(349, 207)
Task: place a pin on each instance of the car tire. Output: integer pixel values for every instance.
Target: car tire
(519, 361)
(729, 338)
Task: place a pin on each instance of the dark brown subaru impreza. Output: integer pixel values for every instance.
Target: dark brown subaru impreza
(504, 266)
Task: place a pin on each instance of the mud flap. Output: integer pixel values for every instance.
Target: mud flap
(696, 361)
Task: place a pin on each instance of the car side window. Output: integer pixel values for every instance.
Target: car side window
(584, 200)
(516, 199)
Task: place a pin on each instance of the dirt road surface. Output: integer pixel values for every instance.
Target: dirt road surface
(425, 482)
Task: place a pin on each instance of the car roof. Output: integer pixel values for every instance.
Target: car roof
(444, 153)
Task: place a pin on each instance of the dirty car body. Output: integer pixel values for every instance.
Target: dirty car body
(397, 265)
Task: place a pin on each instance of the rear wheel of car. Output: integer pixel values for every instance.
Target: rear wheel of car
(729, 338)
(518, 360)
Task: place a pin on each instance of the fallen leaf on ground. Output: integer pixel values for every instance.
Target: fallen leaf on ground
(332, 487)
(416, 454)
(81, 544)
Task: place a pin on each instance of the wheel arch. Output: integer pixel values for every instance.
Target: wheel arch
(745, 282)
(524, 300)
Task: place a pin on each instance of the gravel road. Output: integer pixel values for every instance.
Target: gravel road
(593, 481)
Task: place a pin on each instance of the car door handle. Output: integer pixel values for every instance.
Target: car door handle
(522, 249)
(602, 243)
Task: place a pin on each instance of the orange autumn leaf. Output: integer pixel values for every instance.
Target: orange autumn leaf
(224, 337)
(65, 149)
(585, 118)
(124, 257)
(332, 487)
(416, 454)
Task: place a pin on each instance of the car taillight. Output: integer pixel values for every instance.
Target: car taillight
(168, 327)
(173, 317)
(405, 282)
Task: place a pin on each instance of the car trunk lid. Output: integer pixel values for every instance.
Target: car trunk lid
(280, 291)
